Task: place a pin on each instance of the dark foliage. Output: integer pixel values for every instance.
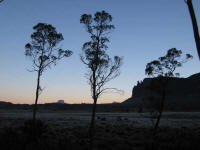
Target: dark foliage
(38, 131)
(110, 137)
(166, 65)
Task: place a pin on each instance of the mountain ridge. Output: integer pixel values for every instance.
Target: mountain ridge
(179, 92)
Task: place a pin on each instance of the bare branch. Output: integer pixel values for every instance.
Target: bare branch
(101, 68)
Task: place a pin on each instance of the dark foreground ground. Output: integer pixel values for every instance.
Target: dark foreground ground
(114, 131)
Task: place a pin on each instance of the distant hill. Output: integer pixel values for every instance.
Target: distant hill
(182, 93)
(5, 103)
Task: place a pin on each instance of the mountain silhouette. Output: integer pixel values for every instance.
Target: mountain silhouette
(181, 93)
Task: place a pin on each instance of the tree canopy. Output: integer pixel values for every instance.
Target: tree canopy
(166, 65)
(102, 68)
(43, 49)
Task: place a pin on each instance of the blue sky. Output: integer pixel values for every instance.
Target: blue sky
(145, 30)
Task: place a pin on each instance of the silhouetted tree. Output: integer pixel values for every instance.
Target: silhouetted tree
(101, 68)
(1, 1)
(163, 69)
(194, 24)
(44, 51)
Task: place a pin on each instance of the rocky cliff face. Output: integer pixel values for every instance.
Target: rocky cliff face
(180, 92)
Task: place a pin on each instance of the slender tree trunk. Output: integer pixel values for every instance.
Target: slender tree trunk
(164, 83)
(154, 143)
(194, 24)
(92, 123)
(36, 97)
(161, 110)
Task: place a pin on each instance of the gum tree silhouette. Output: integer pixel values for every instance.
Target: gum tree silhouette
(161, 70)
(101, 68)
(194, 25)
(1, 1)
(44, 52)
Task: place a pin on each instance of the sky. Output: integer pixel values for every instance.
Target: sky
(144, 31)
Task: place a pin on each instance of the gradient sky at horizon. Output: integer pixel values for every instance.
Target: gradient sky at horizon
(145, 30)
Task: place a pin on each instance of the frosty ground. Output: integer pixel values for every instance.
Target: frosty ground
(114, 131)
(63, 119)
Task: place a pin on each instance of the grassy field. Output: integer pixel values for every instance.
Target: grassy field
(65, 119)
(114, 131)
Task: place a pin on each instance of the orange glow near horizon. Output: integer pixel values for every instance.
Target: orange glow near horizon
(71, 99)
(25, 94)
